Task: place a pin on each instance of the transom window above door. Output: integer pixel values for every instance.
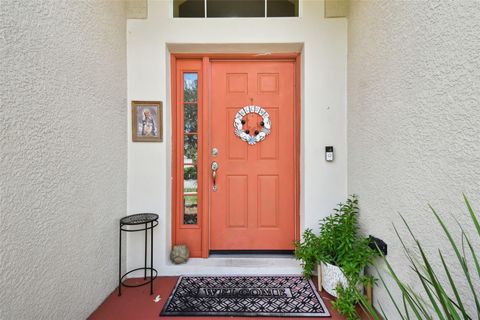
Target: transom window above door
(234, 8)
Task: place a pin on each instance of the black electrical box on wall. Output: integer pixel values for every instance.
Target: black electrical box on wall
(378, 243)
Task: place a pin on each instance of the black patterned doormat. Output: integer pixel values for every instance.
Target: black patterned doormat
(245, 296)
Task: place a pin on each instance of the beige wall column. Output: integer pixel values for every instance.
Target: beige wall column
(413, 122)
(63, 153)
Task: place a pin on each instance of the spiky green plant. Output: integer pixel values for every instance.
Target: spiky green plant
(439, 300)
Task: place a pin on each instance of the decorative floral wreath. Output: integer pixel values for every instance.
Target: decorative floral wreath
(258, 135)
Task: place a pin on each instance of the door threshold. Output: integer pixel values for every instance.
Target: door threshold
(252, 253)
(256, 256)
(236, 265)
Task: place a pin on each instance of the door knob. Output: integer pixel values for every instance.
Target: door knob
(214, 175)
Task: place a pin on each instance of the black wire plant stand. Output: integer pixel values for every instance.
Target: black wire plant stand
(147, 221)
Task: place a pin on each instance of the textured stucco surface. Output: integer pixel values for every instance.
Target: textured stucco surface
(414, 119)
(137, 9)
(63, 155)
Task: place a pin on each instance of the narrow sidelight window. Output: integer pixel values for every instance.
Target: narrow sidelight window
(190, 148)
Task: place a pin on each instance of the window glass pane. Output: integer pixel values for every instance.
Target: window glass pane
(189, 8)
(190, 209)
(190, 146)
(190, 143)
(190, 116)
(282, 8)
(190, 182)
(235, 8)
(190, 87)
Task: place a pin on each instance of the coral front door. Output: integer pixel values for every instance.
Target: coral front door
(252, 190)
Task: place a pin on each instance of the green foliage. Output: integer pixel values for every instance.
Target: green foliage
(190, 145)
(340, 244)
(190, 92)
(307, 252)
(347, 301)
(439, 300)
(190, 173)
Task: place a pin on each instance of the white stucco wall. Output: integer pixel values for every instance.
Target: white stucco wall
(63, 155)
(323, 184)
(414, 120)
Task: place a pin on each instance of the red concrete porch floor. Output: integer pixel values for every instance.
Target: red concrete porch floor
(138, 304)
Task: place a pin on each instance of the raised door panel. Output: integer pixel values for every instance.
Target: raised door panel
(267, 202)
(269, 151)
(268, 83)
(236, 148)
(237, 82)
(237, 203)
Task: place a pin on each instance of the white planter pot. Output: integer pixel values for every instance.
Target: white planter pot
(331, 277)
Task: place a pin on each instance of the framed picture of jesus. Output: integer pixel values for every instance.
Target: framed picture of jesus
(147, 121)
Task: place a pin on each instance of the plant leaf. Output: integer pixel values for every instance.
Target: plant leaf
(460, 258)
(454, 287)
(472, 214)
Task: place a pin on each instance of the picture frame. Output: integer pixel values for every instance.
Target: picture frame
(147, 121)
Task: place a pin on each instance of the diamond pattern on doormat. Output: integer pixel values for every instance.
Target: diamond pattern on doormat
(264, 296)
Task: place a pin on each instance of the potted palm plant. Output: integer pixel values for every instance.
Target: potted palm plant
(343, 255)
